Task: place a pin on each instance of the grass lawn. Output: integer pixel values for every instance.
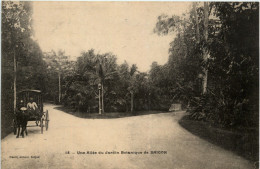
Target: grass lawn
(244, 142)
(106, 115)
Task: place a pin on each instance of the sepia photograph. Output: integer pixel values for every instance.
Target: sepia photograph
(129, 85)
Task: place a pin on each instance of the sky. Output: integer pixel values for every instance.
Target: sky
(122, 28)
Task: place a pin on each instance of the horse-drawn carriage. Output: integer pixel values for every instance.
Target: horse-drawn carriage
(24, 112)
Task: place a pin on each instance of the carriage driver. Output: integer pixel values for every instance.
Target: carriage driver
(33, 109)
(32, 104)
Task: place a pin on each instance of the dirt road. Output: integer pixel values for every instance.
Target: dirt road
(155, 132)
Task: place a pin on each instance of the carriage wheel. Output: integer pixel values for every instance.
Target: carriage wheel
(14, 127)
(47, 120)
(41, 125)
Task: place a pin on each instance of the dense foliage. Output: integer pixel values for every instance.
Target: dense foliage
(18, 48)
(218, 42)
(232, 66)
(229, 40)
(80, 79)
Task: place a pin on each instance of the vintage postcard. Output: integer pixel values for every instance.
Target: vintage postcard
(129, 85)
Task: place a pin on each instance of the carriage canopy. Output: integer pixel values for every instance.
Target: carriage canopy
(25, 95)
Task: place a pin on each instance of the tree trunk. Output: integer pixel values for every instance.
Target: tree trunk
(99, 101)
(15, 64)
(126, 104)
(197, 22)
(149, 102)
(102, 86)
(132, 101)
(59, 87)
(126, 107)
(205, 50)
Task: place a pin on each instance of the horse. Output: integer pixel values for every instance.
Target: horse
(22, 118)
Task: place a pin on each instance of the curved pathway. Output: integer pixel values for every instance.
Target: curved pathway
(155, 132)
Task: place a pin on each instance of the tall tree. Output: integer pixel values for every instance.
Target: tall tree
(185, 59)
(92, 69)
(205, 50)
(16, 29)
(225, 51)
(106, 72)
(132, 73)
(194, 5)
(22, 65)
(59, 67)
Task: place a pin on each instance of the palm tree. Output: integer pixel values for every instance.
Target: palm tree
(132, 72)
(104, 70)
(104, 73)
